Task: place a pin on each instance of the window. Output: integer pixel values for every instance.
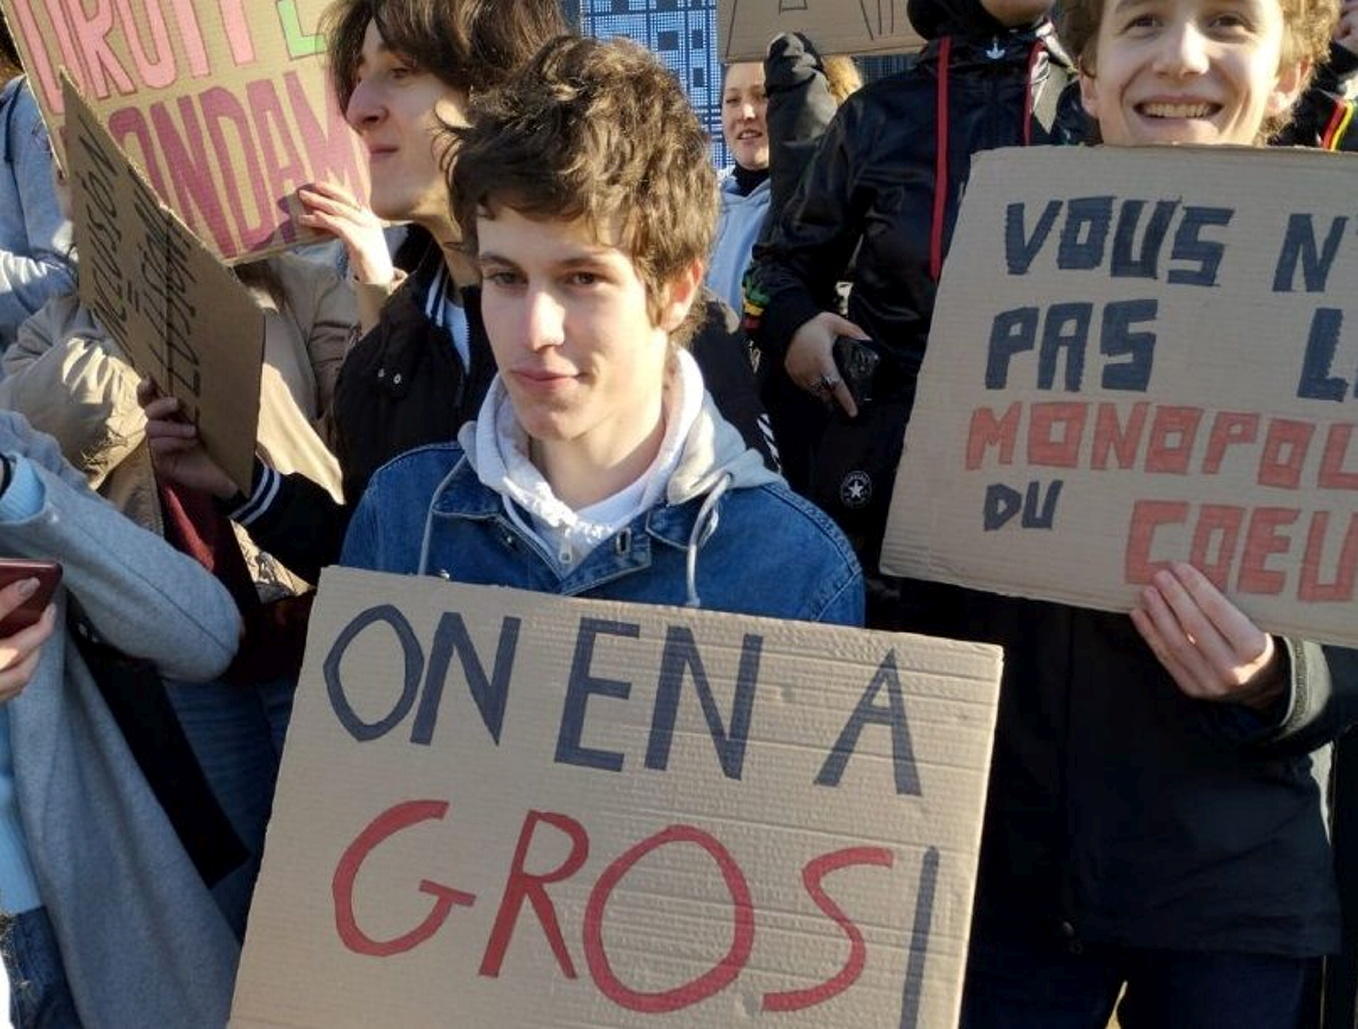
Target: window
(683, 33)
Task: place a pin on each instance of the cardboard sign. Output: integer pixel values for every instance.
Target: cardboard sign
(226, 115)
(835, 26)
(180, 316)
(501, 808)
(1141, 356)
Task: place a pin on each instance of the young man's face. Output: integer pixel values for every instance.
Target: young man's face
(396, 109)
(571, 330)
(1188, 71)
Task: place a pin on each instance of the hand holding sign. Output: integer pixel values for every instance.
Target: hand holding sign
(176, 450)
(1161, 373)
(175, 312)
(1205, 642)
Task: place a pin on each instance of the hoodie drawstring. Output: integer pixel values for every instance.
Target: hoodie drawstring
(422, 569)
(1033, 56)
(703, 528)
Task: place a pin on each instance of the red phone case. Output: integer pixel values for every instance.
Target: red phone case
(48, 574)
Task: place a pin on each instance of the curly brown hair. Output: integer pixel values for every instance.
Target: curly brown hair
(468, 44)
(600, 131)
(1307, 27)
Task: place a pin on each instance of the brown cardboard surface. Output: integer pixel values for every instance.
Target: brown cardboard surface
(386, 724)
(179, 315)
(1209, 415)
(835, 26)
(224, 105)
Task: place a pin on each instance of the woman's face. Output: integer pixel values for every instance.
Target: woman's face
(743, 105)
(398, 109)
(1189, 71)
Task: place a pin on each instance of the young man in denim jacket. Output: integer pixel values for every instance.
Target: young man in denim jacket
(598, 465)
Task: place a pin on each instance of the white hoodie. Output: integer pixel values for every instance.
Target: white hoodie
(501, 459)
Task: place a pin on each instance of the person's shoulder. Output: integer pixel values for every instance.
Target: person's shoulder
(301, 275)
(791, 515)
(880, 108)
(891, 91)
(431, 461)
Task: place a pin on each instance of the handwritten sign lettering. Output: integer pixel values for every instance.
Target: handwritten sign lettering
(531, 810)
(180, 316)
(835, 26)
(226, 116)
(1157, 372)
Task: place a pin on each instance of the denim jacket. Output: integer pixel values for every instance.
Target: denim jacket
(729, 536)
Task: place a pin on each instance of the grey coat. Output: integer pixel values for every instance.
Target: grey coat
(141, 939)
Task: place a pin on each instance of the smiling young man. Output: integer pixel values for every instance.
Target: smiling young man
(1153, 832)
(598, 465)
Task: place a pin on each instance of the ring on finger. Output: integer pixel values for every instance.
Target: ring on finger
(828, 382)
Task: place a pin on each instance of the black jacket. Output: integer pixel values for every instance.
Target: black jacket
(1122, 811)
(1323, 117)
(403, 385)
(870, 190)
(874, 179)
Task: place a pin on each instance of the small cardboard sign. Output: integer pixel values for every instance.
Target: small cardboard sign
(835, 26)
(501, 808)
(179, 315)
(1140, 356)
(226, 115)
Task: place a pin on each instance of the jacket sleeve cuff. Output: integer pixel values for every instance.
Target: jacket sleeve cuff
(243, 509)
(1310, 688)
(371, 297)
(780, 319)
(24, 493)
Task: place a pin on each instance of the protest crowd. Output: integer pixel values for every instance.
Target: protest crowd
(555, 349)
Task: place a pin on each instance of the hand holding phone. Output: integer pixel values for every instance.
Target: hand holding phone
(21, 607)
(26, 620)
(857, 363)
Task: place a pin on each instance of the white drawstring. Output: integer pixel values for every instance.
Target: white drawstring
(429, 518)
(703, 528)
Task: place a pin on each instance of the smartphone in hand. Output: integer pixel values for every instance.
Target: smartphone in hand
(48, 574)
(857, 362)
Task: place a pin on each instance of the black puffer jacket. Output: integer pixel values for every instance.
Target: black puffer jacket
(885, 182)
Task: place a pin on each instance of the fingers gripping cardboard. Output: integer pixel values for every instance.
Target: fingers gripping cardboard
(180, 316)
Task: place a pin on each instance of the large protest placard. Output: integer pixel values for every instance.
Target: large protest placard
(180, 316)
(501, 808)
(226, 112)
(1140, 356)
(835, 26)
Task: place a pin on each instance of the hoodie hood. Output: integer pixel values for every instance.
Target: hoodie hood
(700, 451)
(702, 457)
(934, 18)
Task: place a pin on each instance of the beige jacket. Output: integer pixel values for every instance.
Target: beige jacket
(71, 380)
